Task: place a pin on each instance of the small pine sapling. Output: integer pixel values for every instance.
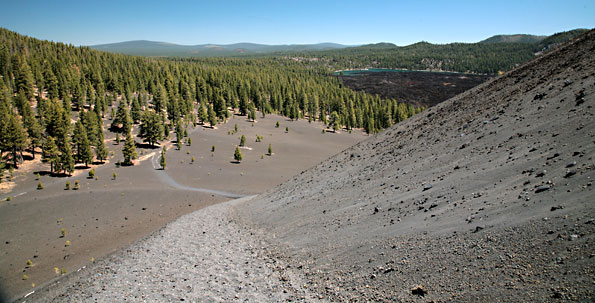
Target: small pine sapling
(39, 186)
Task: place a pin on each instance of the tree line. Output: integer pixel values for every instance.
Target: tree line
(56, 97)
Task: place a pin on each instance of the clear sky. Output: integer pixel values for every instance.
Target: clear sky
(88, 22)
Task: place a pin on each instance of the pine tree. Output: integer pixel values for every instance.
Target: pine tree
(162, 159)
(237, 155)
(24, 79)
(100, 149)
(83, 147)
(66, 159)
(122, 122)
(212, 117)
(13, 137)
(51, 153)
(335, 122)
(270, 150)
(135, 111)
(151, 128)
(129, 150)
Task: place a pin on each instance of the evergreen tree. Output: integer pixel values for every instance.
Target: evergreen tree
(83, 147)
(237, 155)
(135, 111)
(13, 137)
(66, 159)
(51, 153)
(122, 122)
(151, 127)
(212, 117)
(270, 150)
(243, 140)
(24, 79)
(129, 150)
(162, 159)
(202, 114)
(100, 149)
(335, 121)
(34, 129)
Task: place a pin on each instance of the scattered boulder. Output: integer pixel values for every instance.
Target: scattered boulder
(427, 186)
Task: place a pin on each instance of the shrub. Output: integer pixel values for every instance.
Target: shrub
(37, 176)
(63, 232)
(286, 129)
(92, 173)
(243, 140)
(270, 150)
(67, 243)
(77, 186)
(192, 160)
(277, 124)
(114, 176)
(8, 198)
(213, 148)
(237, 155)
(29, 262)
(39, 186)
(67, 187)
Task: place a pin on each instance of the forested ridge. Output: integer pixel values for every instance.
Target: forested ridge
(57, 97)
(482, 58)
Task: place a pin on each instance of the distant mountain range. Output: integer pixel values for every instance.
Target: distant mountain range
(164, 49)
(154, 48)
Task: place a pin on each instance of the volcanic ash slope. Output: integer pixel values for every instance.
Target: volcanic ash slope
(485, 197)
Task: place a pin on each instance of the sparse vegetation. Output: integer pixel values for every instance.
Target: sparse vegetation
(67, 186)
(162, 159)
(237, 155)
(92, 173)
(114, 176)
(39, 186)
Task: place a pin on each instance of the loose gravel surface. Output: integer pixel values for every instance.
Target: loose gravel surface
(201, 257)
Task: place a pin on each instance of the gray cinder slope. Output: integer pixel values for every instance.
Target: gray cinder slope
(485, 197)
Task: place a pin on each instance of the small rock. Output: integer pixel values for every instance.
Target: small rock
(427, 186)
(571, 164)
(419, 290)
(569, 173)
(542, 188)
(477, 229)
(554, 208)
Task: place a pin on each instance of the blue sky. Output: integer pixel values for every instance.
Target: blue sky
(91, 22)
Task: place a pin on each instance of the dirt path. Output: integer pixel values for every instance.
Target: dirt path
(166, 179)
(203, 256)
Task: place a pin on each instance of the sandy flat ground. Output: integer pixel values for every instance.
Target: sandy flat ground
(105, 215)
